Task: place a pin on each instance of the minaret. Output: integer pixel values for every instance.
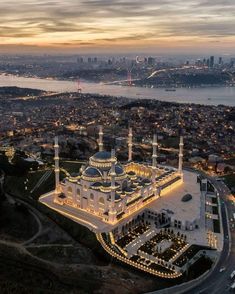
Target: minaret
(113, 188)
(101, 138)
(130, 144)
(154, 156)
(154, 173)
(57, 169)
(181, 146)
(154, 164)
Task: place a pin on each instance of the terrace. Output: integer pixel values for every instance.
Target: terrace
(152, 265)
(132, 234)
(189, 254)
(164, 245)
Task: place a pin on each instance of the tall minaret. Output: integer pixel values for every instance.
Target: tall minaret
(154, 156)
(130, 144)
(57, 169)
(101, 145)
(113, 188)
(181, 146)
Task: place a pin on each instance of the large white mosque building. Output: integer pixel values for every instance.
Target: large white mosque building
(130, 205)
(109, 191)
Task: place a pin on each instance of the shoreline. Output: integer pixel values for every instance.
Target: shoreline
(196, 95)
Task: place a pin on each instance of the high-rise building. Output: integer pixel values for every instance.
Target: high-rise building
(220, 61)
(212, 60)
(232, 62)
(80, 60)
(151, 60)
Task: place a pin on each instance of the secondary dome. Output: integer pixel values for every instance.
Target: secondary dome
(119, 169)
(92, 172)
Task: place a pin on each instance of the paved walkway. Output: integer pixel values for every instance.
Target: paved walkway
(132, 247)
(43, 178)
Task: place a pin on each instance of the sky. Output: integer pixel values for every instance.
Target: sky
(117, 26)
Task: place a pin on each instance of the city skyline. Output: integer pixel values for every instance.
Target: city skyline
(117, 26)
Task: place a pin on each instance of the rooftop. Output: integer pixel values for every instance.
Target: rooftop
(173, 200)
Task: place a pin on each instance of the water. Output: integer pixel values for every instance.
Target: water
(207, 95)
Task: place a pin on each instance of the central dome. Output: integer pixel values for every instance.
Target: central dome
(102, 155)
(102, 160)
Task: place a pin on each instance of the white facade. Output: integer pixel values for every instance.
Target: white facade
(133, 186)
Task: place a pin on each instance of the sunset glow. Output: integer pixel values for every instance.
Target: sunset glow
(105, 24)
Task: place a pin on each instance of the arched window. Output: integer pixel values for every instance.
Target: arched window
(78, 192)
(101, 200)
(69, 191)
(92, 196)
(124, 185)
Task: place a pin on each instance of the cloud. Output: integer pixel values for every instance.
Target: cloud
(91, 21)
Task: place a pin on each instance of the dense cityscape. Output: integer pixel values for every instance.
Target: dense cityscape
(135, 71)
(208, 130)
(117, 147)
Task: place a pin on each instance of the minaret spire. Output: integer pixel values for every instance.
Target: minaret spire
(101, 145)
(57, 169)
(154, 156)
(113, 188)
(181, 146)
(130, 144)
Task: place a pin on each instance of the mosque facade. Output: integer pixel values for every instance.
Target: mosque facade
(112, 190)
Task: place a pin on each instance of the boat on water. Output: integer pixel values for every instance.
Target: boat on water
(170, 89)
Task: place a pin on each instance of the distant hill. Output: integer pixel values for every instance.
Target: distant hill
(16, 92)
(182, 79)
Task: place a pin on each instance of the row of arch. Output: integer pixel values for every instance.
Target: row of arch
(92, 197)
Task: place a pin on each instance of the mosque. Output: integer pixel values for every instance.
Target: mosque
(111, 190)
(146, 215)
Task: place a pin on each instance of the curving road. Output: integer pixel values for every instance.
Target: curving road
(219, 282)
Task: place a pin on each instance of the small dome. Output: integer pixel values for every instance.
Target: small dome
(131, 173)
(74, 175)
(117, 197)
(146, 181)
(102, 155)
(128, 190)
(106, 184)
(92, 172)
(96, 184)
(118, 169)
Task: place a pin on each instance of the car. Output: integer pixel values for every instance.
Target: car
(232, 286)
(232, 274)
(222, 269)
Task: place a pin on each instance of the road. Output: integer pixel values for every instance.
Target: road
(219, 282)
